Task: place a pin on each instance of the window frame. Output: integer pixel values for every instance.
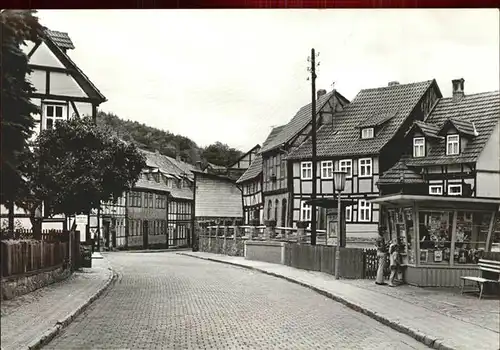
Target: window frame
(367, 206)
(343, 165)
(360, 166)
(436, 186)
(305, 211)
(54, 118)
(416, 147)
(455, 186)
(452, 142)
(325, 165)
(366, 135)
(304, 167)
(348, 209)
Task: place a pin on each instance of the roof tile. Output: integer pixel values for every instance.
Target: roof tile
(400, 174)
(343, 138)
(482, 109)
(298, 122)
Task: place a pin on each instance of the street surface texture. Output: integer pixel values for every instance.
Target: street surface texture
(168, 301)
(27, 317)
(439, 317)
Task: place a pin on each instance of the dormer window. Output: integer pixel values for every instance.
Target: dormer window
(367, 133)
(419, 147)
(452, 145)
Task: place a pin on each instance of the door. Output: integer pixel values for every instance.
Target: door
(105, 232)
(113, 233)
(145, 234)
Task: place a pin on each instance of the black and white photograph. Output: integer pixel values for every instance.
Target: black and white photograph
(250, 179)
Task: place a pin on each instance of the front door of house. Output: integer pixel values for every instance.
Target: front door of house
(145, 234)
(113, 233)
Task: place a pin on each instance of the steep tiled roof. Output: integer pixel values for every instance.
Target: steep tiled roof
(377, 118)
(253, 171)
(274, 132)
(85, 83)
(298, 122)
(163, 163)
(464, 127)
(400, 174)
(343, 138)
(429, 130)
(256, 166)
(482, 109)
(144, 183)
(61, 39)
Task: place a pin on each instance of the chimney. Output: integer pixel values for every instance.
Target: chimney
(178, 158)
(458, 89)
(393, 83)
(320, 93)
(198, 165)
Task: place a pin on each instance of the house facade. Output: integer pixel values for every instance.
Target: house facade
(363, 139)
(63, 91)
(441, 200)
(276, 182)
(251, 186)
(217, 199)
(157, 212)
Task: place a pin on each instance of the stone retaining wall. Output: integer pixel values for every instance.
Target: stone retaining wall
(14, 286)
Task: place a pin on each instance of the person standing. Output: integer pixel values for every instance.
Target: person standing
(394, 263)
(381, 255)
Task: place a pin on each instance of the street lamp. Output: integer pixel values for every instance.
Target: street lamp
(339, 182)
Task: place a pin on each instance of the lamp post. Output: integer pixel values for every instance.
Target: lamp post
(339, 182)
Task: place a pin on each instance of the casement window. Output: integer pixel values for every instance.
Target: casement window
(150, 200)
(452, 145)
(327, 169)
(454, 190)
(436, 190)
(135, 199)
(365, 167)
(53, 113)
(364, 211)
(367, 133)
(348, 214)
(306, 170)
(305, 211)
(419, 147)
(346, 166)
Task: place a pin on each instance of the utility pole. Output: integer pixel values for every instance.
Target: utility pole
(312, 69)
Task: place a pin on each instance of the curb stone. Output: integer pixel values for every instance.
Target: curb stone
(157, 250)
(431, 342)
(61, 324)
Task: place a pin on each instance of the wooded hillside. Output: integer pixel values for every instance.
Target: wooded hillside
(168, 143)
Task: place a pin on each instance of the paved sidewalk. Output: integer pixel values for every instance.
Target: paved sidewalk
(32, 319)
(442, 320)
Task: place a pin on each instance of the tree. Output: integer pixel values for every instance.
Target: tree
(221, 154)
(16, 121)
(74, 167)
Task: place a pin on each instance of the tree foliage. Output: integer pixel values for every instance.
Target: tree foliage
(17, 27)
(75, 166)
(167, 143)
(221, 154)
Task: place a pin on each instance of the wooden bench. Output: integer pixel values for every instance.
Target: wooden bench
(488, 266)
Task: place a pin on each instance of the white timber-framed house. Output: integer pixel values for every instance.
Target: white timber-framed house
(63, 91)
(276, 180)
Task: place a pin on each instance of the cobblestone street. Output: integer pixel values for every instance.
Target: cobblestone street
(175, 302)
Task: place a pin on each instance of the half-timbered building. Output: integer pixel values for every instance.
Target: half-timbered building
(251, 186)
(275, 180)
(62, 91)
(441, 200)
(363, 139)
(146, 211)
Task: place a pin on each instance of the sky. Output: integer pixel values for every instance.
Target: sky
(231, 75)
